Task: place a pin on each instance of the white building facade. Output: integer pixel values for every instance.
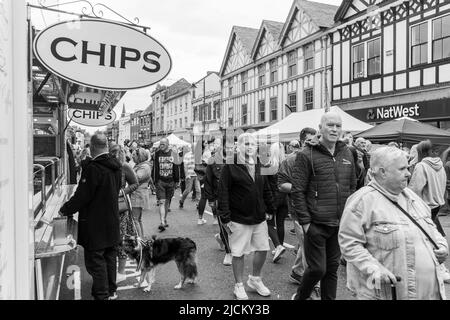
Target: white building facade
(279, 68)
(206, 106)
(178, 110)
(392, 59)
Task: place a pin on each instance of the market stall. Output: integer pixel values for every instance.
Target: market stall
(290, 127)
(406, 131)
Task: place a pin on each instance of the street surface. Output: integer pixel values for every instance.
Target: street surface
(215, 281)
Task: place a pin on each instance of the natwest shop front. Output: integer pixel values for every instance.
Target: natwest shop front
(434, 112)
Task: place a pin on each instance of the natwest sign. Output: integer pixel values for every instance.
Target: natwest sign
(102, 54)
(393, 112)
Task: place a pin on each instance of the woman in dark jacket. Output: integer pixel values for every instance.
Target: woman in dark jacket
(276, 223)
(211, 189)
(129, 185)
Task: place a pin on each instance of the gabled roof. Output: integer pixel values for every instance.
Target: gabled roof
(342, 10)
(273, 27)
(321, 14)
(246, 35)
(177, 87)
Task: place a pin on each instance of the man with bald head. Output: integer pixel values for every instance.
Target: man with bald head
(96, 201)
(165, 175)
(380, 242)
(323, 177)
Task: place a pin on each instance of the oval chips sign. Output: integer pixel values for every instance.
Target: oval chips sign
(91, 118)
(102, 54)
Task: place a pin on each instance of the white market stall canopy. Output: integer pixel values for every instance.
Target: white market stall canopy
(174, 141)
(289, 128)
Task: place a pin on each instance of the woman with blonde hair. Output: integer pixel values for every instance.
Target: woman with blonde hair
(140, 199)
(129, 184)
(276, 223)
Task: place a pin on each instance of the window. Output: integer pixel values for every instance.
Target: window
(195, 113)
(273, 70)
(261, 75)
(244, 114)
(358, 61)
(176, 121)
(185, 122)
(309, 57)
(292, 63)
(441, 38)
(230, 116)
(244, 79)
(419, 44)
(185, 106)
(262, 110)
(309, 99)
(193, 94)
(374, 57)
(209, 111)
(216, 109)
(230, 90)
(293, 101)
(273, 109)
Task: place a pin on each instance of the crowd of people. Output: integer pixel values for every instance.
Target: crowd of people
(372, 208)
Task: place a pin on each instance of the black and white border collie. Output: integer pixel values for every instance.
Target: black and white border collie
(152, 252)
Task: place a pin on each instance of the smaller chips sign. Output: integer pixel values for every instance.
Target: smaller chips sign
(91, 118)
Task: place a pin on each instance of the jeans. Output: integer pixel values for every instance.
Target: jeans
(191, 183)
(102, 266)
(202, 203)
(322, 257)
(299, 266)
(276, 225)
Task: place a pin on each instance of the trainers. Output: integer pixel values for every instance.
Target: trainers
(295, 278)
(201, 221)
(181, 204)
(121, 277)
(278, 252)
(239, 291)
(227, 261)
(114, 296)
(219, 241)
(257, 284)
(161, 228)
(315, 295)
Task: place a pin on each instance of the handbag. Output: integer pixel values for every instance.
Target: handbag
(124, 202)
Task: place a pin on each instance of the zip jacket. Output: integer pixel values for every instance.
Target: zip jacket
(321, 183)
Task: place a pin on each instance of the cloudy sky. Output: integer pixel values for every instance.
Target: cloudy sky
(195, 32)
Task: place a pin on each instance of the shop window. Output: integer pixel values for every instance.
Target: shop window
(358, 61)
(292, 98)
(441, 38)
(261, 75)
(273, 70)
(230, 90)
(309, 99)
(273, 109)
(209, 111)
(262, 110)
(374, 57)
(309, 57)
(217, 109)
(292, 63)
(419, 44)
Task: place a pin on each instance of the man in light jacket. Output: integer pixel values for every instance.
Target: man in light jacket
(381, 243)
